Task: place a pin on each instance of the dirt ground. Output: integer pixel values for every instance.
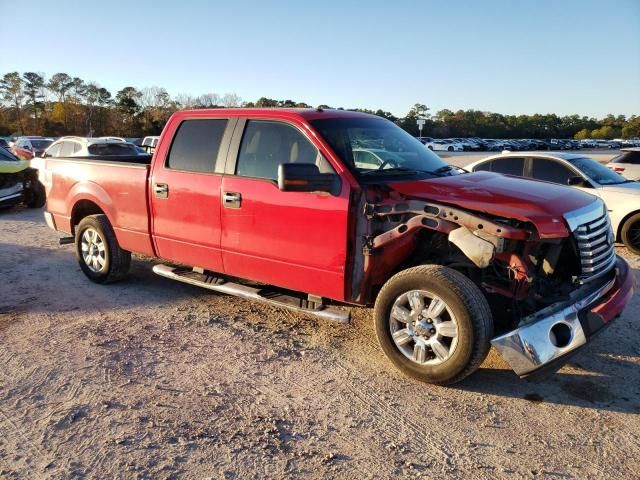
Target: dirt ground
(149, 378)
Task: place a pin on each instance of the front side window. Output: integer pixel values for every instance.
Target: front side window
(265, 145)
(54, 151)
(196, 144)
(550, 171)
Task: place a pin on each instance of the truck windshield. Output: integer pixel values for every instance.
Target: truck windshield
(371, 147)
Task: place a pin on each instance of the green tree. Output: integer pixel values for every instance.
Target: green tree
(12, 90)
(127, 104)
(33, 88)
(582, 134)
(60, 84)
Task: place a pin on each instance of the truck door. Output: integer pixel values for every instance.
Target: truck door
(185, 191)
(296, 240)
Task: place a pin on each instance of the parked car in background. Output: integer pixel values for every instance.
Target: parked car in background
(26, 148)
(627, 163)
(622, 196)
(70, 147)
(149, 144)
(19, 182)
(444, 146)
(375, 159)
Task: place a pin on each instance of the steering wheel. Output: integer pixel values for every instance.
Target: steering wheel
(387, 162)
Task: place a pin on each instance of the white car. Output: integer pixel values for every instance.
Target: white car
(376, 158)
(444, 146)
(90, 147)
(622, 196)
(627, 163)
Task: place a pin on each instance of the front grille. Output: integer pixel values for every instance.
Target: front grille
(595, 246)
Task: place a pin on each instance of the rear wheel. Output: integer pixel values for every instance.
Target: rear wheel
(631, 233)
(450, 149)
(99, 255)
(433, 323)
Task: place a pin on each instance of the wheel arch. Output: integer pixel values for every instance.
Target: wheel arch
(81, 209)
(622, 222)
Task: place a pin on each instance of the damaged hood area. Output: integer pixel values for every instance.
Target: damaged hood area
(541, 203)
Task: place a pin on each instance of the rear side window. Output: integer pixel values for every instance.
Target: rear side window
(196, 144)
(265, 145)
(508, 166)
(66, 149)
(551, 171)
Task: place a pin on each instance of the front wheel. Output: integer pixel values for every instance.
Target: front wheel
(631, 234)
(99, 255)
(433, 323)
(450, 149)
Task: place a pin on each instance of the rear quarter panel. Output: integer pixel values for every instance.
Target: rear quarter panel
(118, 189)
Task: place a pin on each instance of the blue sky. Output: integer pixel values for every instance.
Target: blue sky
(564, 56)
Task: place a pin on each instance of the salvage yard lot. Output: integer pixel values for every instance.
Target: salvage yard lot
(148, 378)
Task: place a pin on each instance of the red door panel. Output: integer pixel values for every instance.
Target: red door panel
(186, 224)
(295, 240)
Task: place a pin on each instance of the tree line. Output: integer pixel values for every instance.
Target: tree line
(32, 104)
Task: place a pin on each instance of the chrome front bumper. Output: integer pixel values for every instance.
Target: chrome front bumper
(548, 334)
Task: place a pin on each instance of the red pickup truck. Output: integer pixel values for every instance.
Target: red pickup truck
(316, 209)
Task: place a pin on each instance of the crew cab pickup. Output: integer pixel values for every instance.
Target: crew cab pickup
(316, 209)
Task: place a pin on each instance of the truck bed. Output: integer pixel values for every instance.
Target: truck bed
(70, 180)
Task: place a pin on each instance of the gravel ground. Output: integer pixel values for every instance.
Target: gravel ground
(149, 378)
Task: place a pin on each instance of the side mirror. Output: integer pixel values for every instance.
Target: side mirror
(306, 177)
(577, 182)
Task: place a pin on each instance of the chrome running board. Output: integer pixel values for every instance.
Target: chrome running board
(266, 295)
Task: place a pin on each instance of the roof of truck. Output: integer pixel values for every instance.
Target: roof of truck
(306, 113)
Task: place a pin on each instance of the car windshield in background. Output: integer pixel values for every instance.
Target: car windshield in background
(370, 146)
(41, 144)
(7, 156)
(597, 172)
(112, 149)
(628, 157)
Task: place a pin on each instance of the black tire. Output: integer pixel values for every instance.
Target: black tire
(465, 301)
(630, 233)
(36, 196)
(116, 262)
(430, 147)
(450, 149)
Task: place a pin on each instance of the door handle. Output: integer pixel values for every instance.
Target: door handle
(161, 190)
(231, 199)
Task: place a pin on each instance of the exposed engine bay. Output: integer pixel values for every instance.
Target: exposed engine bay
(519, 272)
